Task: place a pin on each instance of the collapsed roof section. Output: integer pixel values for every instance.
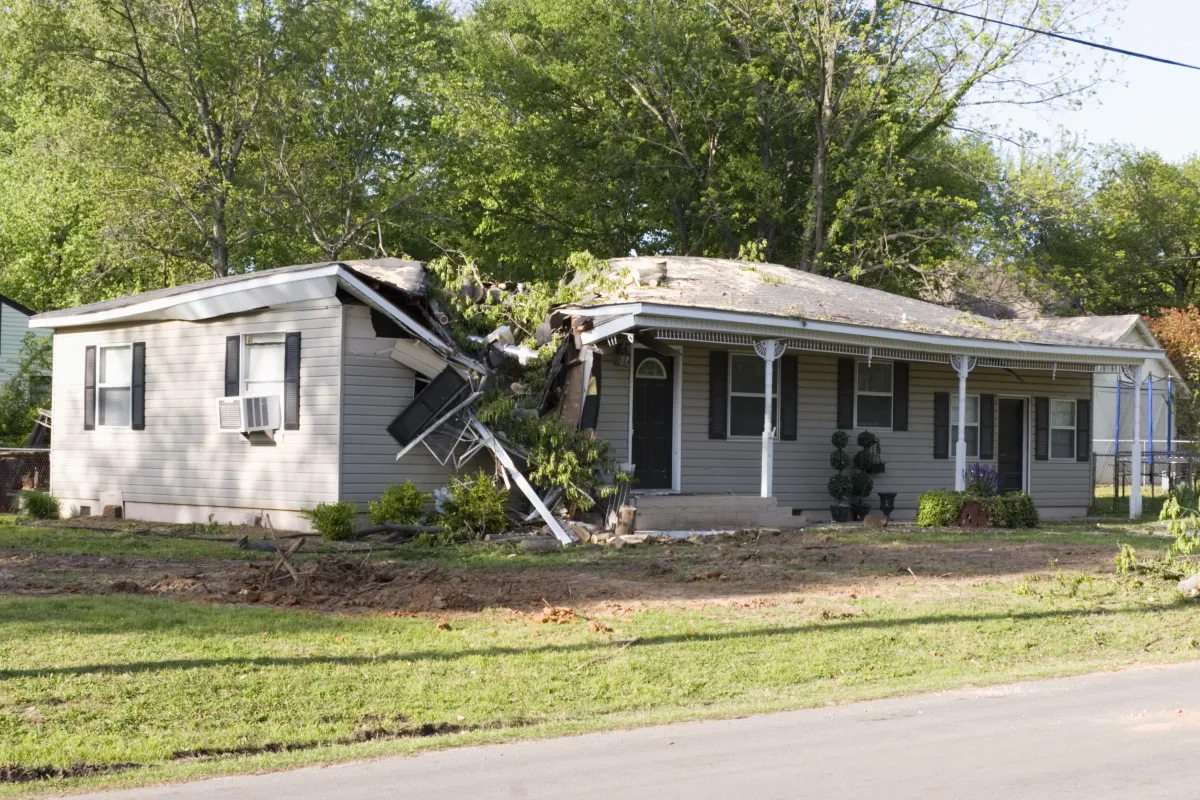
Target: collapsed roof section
(440, 417)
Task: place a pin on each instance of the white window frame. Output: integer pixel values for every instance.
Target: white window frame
(100, 348)
(244, 368)
(954, 424)
(1074, 429)
(891, 395)
(760, 396)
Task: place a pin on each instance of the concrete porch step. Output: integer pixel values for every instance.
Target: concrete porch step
(665, 512)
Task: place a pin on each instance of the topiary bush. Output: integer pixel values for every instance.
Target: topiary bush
(334, 521)
(401, 503)
(40, 505)
(475, 508)
(939, 507)
(1011, 510)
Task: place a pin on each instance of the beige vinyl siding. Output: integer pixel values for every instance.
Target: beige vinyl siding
(181, 457)
(802, 466)
(612, 424)
(375, 389)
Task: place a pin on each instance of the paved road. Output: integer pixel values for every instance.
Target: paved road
(1115, 735)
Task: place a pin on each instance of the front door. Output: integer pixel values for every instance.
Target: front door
(1010, 449)
(653, 419)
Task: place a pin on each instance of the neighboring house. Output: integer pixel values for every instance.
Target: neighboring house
(1156, 423)
(144, 384)
(683, 387)
(268, 393)
(14, 325)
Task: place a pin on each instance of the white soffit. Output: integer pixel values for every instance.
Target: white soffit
(249, 299)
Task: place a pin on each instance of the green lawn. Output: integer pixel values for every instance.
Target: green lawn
(136, 689)
(184, 690)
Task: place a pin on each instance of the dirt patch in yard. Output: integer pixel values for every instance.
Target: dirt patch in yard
(750, 569)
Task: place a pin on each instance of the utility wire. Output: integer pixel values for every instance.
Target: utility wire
(1040, 32)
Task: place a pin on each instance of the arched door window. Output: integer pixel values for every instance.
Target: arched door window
(651, 369)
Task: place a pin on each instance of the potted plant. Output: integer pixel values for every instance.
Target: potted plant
(839, 484)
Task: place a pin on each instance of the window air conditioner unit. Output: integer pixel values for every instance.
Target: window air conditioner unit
(248, 414)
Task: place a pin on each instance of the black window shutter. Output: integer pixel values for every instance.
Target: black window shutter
(233, 366)
(941, 424)
(591, 402)
(291, 382)
(900, 396)
(845, 394)
(787, 398)
(1083, 430)
(718, 393)
(137, 400)
(987, 426)
(89, 389)
(1041, 429)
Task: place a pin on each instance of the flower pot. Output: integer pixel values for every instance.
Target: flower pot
(887, 503)
(858, 511)
(840, 513)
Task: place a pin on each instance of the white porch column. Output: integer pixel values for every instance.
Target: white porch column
(769, 350)
(1135, 448)
(963, 365)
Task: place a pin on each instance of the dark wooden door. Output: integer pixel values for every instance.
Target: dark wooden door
(1010, 446)
(653, 419)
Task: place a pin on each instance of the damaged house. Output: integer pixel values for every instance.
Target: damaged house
(250, 398)
(717, 385)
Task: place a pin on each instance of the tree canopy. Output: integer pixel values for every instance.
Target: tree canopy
(146, 143)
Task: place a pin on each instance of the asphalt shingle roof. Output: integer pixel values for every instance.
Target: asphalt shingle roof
(779, 291)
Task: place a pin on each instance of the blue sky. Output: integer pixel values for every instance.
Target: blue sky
(1148, 105)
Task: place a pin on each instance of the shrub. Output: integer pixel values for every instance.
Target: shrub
(1011, 510)
(334, 521)
(861, 485)
(840, 439)
(402, 503)
(839, 487)
(982, 480)
(476, 507)
(867, 439)
(839, 459)
(40, 505)
(939, 507)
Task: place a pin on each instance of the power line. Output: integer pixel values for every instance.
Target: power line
(1054, 35)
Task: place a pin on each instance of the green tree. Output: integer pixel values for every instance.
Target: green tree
(1149, 213)
(696, 126)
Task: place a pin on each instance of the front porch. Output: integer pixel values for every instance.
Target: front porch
(723, 456)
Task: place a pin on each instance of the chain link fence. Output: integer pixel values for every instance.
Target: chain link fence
(1162, 471)
(22, 469)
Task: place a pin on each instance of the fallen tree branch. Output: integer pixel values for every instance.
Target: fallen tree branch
(617, 652)
(396, 527)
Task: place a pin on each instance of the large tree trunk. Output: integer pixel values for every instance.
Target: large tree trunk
(815, 241)
(219, 243)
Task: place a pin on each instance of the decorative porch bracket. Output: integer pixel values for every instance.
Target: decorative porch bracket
(769, 350)
(963, 366)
